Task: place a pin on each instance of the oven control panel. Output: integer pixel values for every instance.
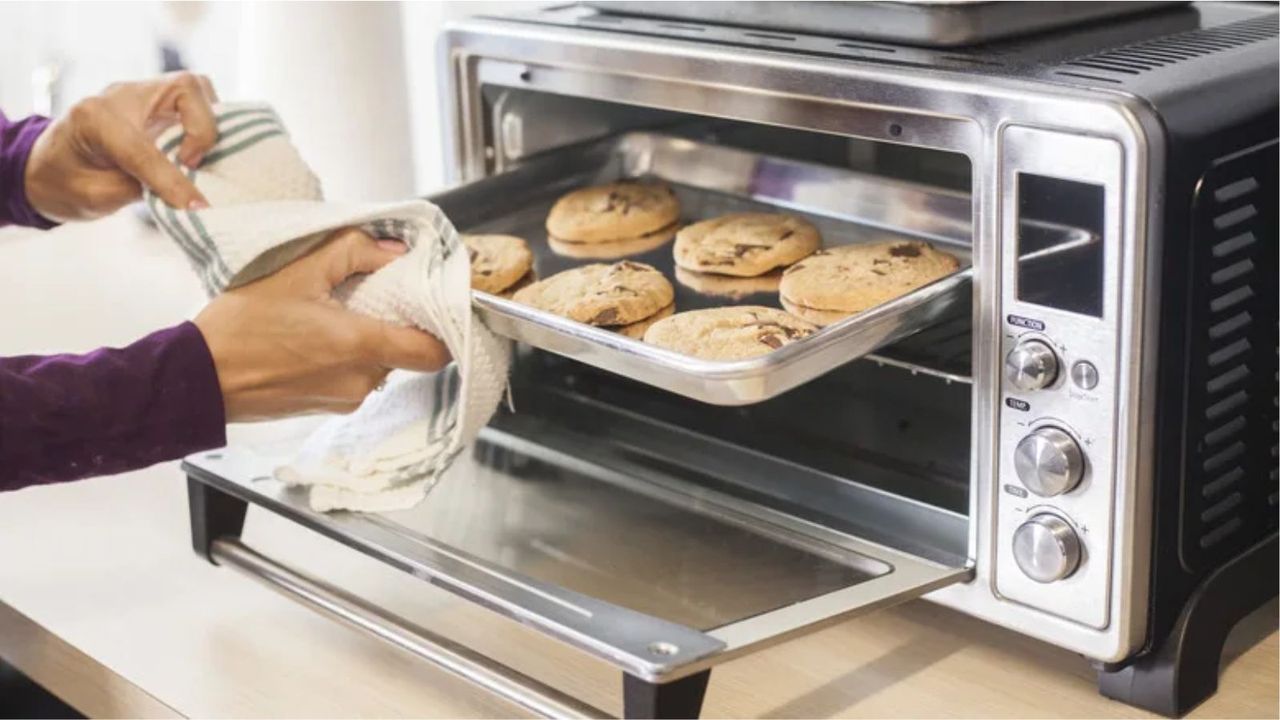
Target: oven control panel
(1055, 494)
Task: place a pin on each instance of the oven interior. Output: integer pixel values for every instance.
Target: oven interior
(862, 450)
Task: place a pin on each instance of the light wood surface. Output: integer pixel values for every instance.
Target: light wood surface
(104, 602)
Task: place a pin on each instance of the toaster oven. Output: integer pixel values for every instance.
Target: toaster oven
(1073, 436)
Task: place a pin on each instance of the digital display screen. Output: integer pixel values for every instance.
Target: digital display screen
(1060, 243)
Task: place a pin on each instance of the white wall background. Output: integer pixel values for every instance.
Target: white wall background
(423, 22)
(356, 82)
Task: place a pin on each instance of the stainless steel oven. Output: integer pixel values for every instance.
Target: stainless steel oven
(1074, 436)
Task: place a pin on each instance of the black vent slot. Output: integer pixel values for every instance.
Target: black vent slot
(1231, 421)
(1115, 65)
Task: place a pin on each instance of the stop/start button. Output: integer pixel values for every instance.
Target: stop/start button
(1084, 375)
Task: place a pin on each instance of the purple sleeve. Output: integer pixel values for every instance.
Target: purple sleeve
(64, 417)
(16, 139)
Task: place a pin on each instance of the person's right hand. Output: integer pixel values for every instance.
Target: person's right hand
(283, 346)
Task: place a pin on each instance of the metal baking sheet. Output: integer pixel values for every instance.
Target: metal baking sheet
(710, 180)
(932, 23)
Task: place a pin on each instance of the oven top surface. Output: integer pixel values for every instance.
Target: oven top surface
(936, 23)
(1147, 49)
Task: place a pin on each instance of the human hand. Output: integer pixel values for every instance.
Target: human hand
(95, 159)
(283, 346)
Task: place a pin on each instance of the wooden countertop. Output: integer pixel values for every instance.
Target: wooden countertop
(103, 602)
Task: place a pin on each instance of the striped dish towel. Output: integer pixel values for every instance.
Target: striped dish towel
(267, 209)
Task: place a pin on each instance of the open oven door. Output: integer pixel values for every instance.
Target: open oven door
(598, 547)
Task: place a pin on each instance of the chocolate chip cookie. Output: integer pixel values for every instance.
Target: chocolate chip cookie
(745, 244)
(497, 261)
(599, 294)
(612, 249)
(637, 329)
(846, 280)
(728, 333)
(616, 211)
(727, 286)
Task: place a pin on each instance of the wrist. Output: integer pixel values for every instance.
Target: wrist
(40, 186)
(217, 364)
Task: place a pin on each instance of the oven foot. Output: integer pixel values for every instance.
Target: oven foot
(676, 699)
(214, 514)
(1182, 671)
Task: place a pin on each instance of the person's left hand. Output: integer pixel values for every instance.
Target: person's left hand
(95, 159)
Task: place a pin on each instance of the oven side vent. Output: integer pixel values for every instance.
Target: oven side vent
(1231, 423)
(1117, 64)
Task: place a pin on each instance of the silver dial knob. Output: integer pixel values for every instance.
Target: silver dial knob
(1046, 548)
(1031, 365)
(1048, 462)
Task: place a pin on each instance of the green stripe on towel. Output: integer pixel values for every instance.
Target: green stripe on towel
(246, 111)
(223, 272)
(224, 126)
(193, 252)
(217, 155)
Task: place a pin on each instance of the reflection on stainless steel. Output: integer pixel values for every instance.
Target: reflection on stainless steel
(451, 657)
(572, 530)
(611, 632)
(846, 206)
(613, 563)
(734, 288)
(857, 467)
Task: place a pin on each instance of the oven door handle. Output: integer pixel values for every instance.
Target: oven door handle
(505, 682)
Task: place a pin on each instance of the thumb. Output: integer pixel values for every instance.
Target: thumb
(349, 252)
(408, 348)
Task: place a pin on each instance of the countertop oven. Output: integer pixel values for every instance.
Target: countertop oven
(1074, 436)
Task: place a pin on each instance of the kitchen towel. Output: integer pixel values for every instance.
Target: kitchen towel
(267, 209)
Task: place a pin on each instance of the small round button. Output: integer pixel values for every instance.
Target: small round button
(1046, 548)
(1031, 365)
(1084, 375)
(1048, 462)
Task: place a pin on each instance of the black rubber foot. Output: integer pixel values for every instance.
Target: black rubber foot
(677, 699)
(214, 514)
(1182, 671)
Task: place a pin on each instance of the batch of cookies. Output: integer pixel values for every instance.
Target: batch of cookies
(730, 255)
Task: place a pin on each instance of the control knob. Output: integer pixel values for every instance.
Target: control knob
(1031, 365)
(1046, 548)
(1048, 462)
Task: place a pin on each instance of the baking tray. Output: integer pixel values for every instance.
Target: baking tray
(847, 207)
(934, 23)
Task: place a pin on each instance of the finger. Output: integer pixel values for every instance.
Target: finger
(206, 85)
(187, 96)
(128, 148)
(406, 348)
(200, 129)
(350, 252)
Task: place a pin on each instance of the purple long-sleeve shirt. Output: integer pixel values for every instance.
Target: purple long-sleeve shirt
(64, 417)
